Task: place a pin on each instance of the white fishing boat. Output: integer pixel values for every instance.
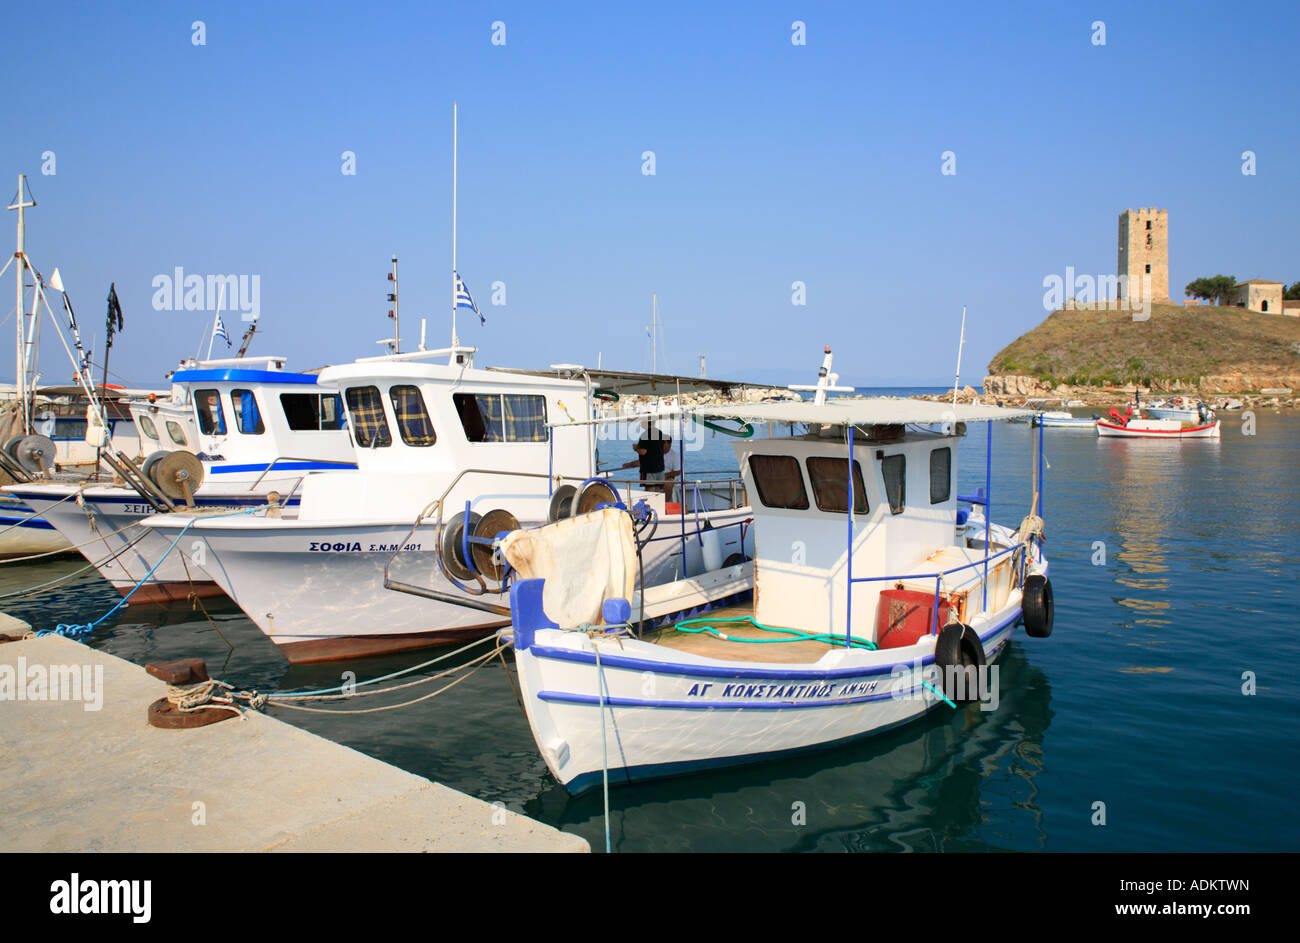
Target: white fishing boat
(877, 599)
(1060, 419)
(230, 436)
(1182, 409)
(398, 554)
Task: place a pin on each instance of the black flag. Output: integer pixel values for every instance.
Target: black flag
(114, 315)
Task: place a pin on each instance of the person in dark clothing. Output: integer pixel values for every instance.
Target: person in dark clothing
(650, 449)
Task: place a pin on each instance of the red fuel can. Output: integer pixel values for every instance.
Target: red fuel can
(904, 615)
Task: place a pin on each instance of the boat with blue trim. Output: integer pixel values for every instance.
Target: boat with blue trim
(880, 594)
(235, 433)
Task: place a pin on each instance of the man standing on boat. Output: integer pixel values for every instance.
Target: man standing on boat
(651, 448)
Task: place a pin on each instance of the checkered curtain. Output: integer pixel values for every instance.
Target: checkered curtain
(368, 423)
(412, 420)
(525, 418)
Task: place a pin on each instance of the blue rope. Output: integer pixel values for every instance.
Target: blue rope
(74, 629)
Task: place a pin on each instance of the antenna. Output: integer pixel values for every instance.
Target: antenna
(827, 382)
(704, 373)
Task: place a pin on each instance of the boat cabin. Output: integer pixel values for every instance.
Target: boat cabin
(422, 428)
(242, 421)
(905, 529)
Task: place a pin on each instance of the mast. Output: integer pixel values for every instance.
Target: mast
(960, 344)
(454, 341)
(654, 332)
(395, 314)
(20, 316)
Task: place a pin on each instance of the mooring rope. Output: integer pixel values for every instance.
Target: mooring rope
(74, 629)
(68, 576)
(36, 514)
(95, 540)
(481, 660)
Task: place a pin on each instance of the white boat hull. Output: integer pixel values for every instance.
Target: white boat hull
(1157, 429)
(317, 588)
(99, 527)
(26, 533)
(665, 718)
(666, 711)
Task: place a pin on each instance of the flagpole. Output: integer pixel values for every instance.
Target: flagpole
(454, 122)
(212, 335)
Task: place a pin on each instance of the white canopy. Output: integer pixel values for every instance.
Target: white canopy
(872, 411)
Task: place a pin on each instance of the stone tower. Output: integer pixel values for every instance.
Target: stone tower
(1144, 252)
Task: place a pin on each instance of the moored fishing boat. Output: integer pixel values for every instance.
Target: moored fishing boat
(1121, 426)
(877, 598)
(398, 554)
(229, 436)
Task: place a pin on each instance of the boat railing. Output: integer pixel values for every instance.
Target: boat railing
(296, 458)
(938, 581)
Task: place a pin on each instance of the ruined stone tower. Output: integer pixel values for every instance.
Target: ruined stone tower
(1144, 252)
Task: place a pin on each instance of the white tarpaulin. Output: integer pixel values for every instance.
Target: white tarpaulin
(584, 560)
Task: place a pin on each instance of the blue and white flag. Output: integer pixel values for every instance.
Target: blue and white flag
(463, 299)
(219, 330)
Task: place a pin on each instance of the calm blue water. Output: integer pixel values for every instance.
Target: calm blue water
(1135, 701)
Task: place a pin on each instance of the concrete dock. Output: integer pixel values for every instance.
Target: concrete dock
(77, 776)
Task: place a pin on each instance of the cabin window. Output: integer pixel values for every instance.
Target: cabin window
(312, 412)
(148, 428)
(940, 475)
(779, 481)
(369, 425)
(69, 429)
(412, 418)
(894, 469)
(502, 417)
(829, 477)
(248, 418)
(177, 434)
(207, 405)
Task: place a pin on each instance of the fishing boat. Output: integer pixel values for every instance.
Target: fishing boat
(399, 555)
(1182, 409)
(1130, 425)
(1060, 419)
(878, 596)
(235, 433)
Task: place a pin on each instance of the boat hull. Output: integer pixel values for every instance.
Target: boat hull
(24, 532)
(1157, 429)
(317, 589)
(100, 527)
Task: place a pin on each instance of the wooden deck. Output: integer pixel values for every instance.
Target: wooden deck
(706, 644)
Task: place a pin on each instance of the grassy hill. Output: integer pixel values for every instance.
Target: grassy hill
(1177, 345)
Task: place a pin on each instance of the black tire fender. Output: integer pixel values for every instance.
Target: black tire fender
(1037, 606)
(959, 647)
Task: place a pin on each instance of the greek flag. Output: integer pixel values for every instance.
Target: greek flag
(463, 299)
(219, 330)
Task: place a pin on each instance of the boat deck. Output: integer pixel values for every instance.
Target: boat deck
(707, 645)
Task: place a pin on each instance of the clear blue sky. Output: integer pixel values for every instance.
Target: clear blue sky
(775, 163)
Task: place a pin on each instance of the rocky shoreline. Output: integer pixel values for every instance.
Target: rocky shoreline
(1253, 390)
